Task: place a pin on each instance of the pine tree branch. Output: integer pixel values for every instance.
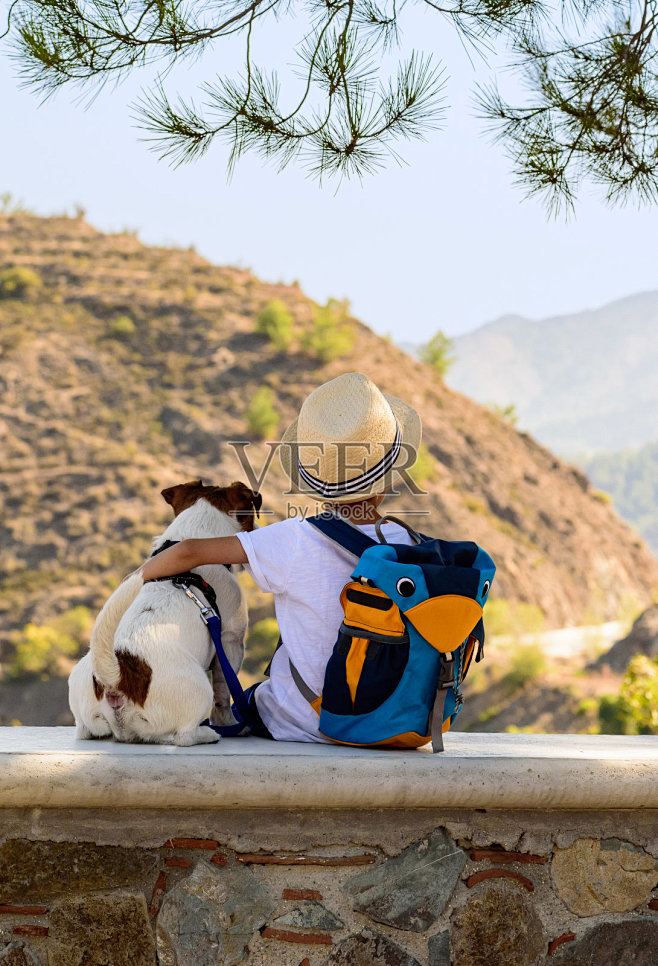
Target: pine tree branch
(591, 112)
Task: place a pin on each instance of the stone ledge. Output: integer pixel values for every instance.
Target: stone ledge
(48, 768)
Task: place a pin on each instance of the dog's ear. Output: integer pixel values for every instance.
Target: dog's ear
(243, 503)
(182, 495)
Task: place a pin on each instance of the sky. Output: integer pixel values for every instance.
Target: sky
(445, 242)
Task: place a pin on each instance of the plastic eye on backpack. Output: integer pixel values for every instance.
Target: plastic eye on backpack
(485, 589)
(405, 587)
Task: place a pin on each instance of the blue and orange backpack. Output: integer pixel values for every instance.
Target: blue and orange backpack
(412, 626)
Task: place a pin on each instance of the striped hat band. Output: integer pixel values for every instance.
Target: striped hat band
(359, 483)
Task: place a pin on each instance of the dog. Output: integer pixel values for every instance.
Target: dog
(145, 676)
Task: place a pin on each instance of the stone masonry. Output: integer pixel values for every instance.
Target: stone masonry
(340, 889)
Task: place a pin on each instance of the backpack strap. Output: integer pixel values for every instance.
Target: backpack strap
(437, 720)
(447, 678)
(346, 535)
(414, 534)
(302, 686)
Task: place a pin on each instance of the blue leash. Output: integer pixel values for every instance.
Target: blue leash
(210, 616)
(240, 707)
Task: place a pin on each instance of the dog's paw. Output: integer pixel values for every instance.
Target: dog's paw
(222, 716)
(83, 733)
(202, 735)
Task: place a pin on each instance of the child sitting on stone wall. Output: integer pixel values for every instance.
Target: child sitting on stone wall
(342, 450)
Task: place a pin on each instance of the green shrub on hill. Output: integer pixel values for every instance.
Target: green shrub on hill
(508, 413)
(262, 417)
(638, 696)
(122, 327)
(41, 648)
(329, 337)
(261, 642)
(634, 711)
(17, 283)
(9, 205)
(527, 663)
(424, 469)
(275, 321)
(77, 623)
(610, 718)
(513, 617)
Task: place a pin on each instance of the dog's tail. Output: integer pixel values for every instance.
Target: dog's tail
(103, 659)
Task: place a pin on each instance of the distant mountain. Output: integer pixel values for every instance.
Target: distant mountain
(580, 383)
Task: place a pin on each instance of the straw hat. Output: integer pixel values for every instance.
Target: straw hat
(348, 439)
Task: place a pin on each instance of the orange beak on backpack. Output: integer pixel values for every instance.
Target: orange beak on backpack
(445, 622)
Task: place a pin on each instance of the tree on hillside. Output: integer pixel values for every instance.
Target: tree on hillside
(589, 68)
(275, 321)
(438, 353)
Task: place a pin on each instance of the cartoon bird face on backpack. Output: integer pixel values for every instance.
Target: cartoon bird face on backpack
(443, 603)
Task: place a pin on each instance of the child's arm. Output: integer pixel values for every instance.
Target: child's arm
(189, 554)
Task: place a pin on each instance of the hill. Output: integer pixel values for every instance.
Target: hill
(126, 368)
(580, 383)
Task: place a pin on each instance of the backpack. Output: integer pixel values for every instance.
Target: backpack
(412, 625)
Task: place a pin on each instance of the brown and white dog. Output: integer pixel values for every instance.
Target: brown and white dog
(145, 676)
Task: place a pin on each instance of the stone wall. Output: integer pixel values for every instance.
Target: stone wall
(506, 850)
(328, 887)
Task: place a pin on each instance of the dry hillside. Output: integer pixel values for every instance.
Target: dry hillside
(97, 414)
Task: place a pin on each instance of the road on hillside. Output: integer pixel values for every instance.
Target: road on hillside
(588, 641)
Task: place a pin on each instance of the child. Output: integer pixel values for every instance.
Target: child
(341, 450)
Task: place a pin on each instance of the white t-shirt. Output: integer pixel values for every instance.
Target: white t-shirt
(306, 573)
